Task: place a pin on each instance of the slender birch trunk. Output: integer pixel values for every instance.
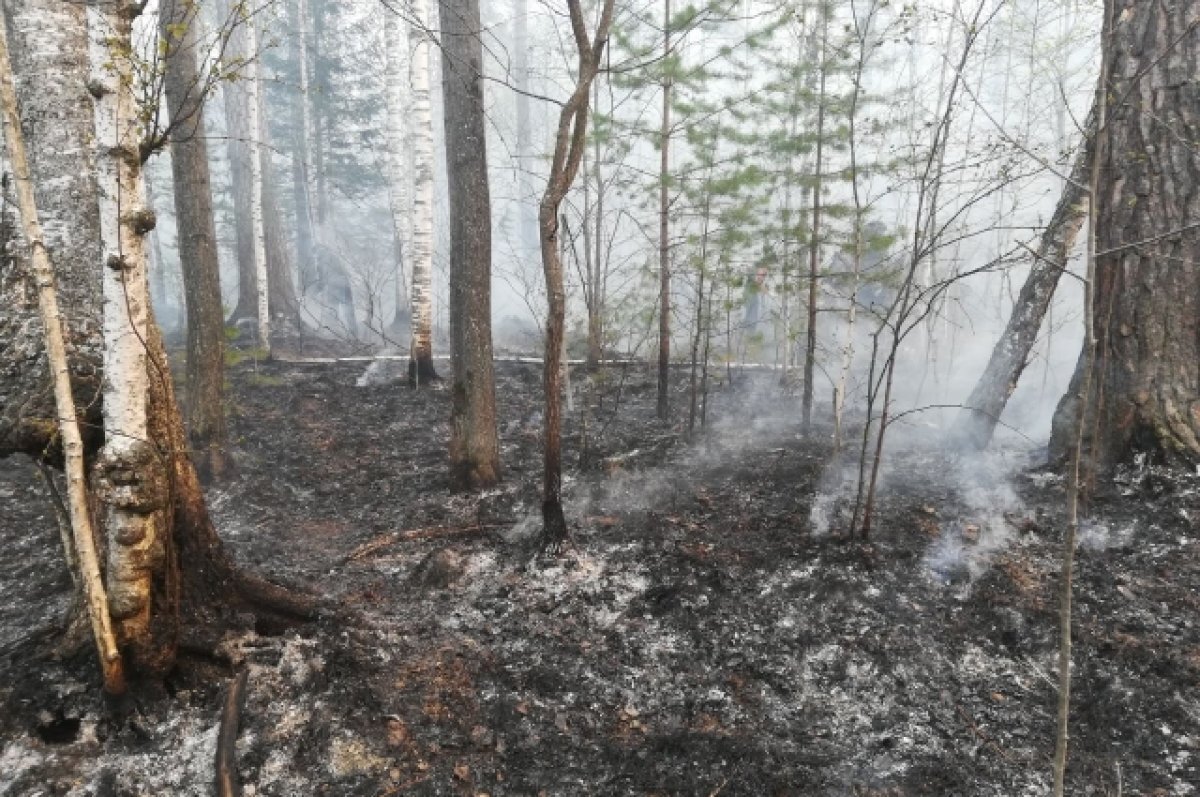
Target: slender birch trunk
(420, 366)
(83, 536)
(398, 148)
(528, 232)
(254, 112)
(302, 151)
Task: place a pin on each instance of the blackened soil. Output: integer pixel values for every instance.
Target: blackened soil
(710, 632)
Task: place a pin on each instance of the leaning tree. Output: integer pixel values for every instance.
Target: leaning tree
(169, 578)
(1145, 393)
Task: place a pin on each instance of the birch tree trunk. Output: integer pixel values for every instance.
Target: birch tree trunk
(1146, 296)
(82, 551)
(254, 112)
(179, 30)
(398, 149)
(302, 150)
(420, 366)
(474, 445)
(127, 478)
(527, 217)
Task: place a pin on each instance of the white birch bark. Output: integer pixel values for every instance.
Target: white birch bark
(82, 548)
(125, 472)
(254, 101)
(396, 92)
(422, 171)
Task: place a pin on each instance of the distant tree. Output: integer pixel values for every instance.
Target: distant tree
(474, 445)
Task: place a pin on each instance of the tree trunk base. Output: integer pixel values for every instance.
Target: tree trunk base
(421, 371)
(556, 538)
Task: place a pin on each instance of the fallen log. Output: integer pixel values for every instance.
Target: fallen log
(227, 782)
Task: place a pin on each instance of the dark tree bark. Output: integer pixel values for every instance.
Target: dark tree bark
(986, 403)
(1145, 398)
(569, 144)
(205, 385)
(474, 446)
(281, 288)
(239, 133)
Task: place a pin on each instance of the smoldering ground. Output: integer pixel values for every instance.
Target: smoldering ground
(700, 637)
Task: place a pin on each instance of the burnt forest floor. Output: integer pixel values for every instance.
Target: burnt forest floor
(710, 632)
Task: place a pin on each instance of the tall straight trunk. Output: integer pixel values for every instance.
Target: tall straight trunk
(239, 133)
(257, 156)
(1146, 297)
(599, 276)
(527, 216)
(664, 243)
(398, 148)
(282, 302)
(814, 242)
(474, 445)
(301, 151)
(127, 482)
(1010, 355)
(205, 385)
(420, 366)
(569, 142)
(82, 542)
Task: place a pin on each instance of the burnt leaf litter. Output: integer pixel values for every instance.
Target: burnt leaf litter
(711, 631)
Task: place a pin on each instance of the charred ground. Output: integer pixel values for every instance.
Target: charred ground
(709, 633)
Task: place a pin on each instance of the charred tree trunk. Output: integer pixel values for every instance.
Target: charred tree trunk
(474, 446)
(1146, 296)
(179, 29)
(1011, 353)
